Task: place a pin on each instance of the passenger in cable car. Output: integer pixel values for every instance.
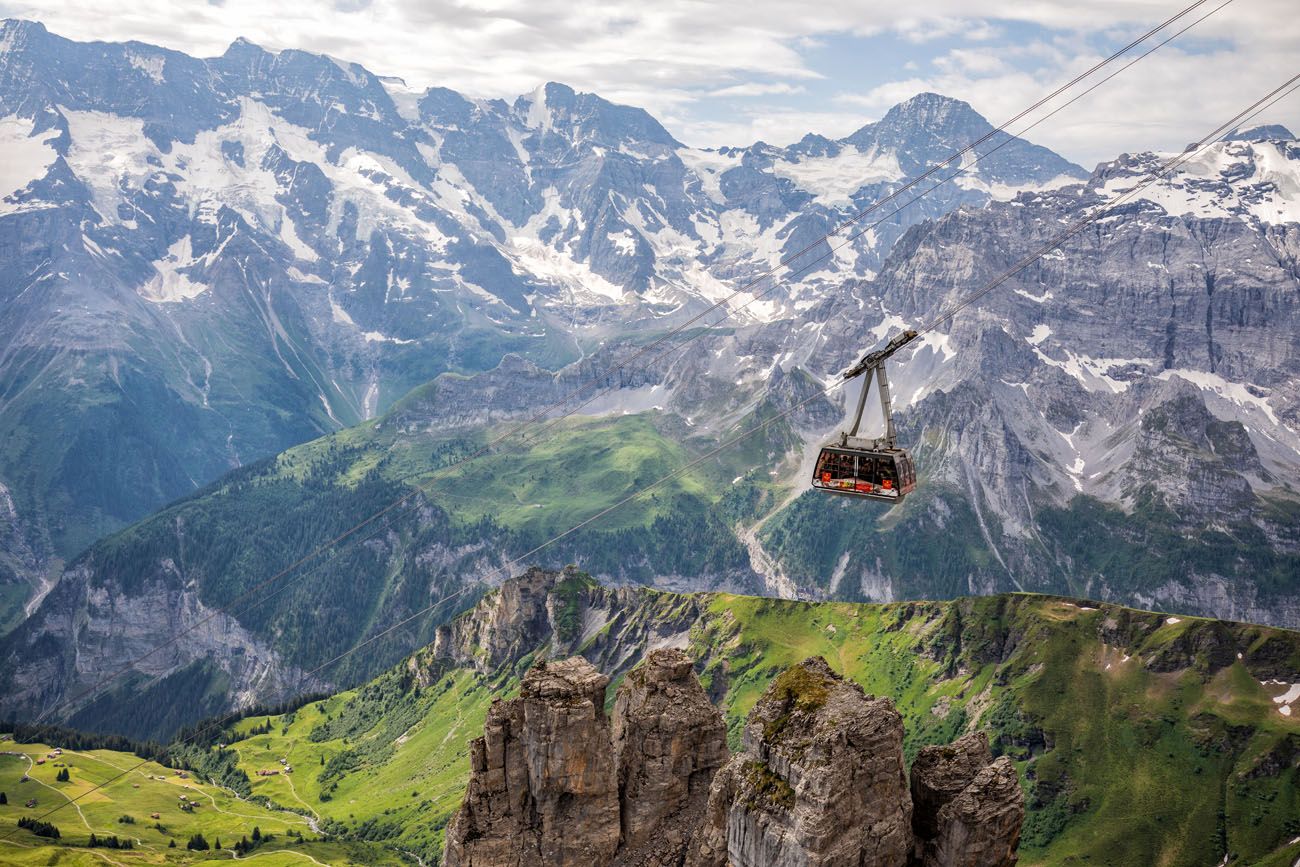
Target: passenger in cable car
(887, 477)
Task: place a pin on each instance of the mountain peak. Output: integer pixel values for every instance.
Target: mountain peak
(933, 110)
(1263, 132)
(19, 25)
(554, 105)
(243, 46)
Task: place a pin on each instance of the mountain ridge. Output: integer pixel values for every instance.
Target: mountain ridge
(1141, 737)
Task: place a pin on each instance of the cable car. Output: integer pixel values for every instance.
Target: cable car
(875, 469)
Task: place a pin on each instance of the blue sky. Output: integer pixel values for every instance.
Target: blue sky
(732, 71)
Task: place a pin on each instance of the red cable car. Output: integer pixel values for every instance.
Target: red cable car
(876, 469)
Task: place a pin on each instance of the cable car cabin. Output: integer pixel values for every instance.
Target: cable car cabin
(877, 474)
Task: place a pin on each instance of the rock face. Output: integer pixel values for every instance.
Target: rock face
(940, 773)
(543, 787)
(981, 826)
(819, 782)
(668, 742)
(968, 808)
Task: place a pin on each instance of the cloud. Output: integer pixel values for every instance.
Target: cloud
(754, 88)
(684, 59)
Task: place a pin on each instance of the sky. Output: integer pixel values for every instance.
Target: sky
(730, 72)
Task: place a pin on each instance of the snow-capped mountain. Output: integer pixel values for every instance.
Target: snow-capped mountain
(207, 260)
(1119, 420)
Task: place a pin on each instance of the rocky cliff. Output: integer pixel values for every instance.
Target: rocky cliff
(820, 780)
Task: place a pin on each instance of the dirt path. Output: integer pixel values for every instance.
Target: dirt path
(219, 809)
(283, 852)
(288, 778)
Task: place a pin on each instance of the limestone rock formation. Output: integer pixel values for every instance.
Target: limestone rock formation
(939, 774)
(668, 742)
(543, 787)
(820, 781)
(968, 808)
(981, 826)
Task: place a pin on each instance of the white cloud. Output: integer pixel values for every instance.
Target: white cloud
(754, 88)
(681, 59)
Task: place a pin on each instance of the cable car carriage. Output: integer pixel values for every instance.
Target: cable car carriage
(874, 468)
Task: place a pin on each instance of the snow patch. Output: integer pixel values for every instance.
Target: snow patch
(834, 179)
(26, 158)
(152, 66)
(169, 285)
(406, 99)
(1229, 179)
(1040, 333)
(709, 166)
(1172, 620)
(1001, 192)
(625, 241)
(340, 315)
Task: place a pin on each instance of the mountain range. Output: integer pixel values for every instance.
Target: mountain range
(210, 263)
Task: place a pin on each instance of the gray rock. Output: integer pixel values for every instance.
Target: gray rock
(940, 773)
(669, 740)
(980, 827)
(819, 782)
(543, 786)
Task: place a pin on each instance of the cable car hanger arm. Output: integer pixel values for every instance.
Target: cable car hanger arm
(877, 358)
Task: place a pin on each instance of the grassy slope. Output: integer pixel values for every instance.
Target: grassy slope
(1124, 762)
(148, 789)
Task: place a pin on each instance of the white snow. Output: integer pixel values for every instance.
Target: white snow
(1288, 697)
(1040, 333)
(625, 241)
(151, 66)
(1269, 191)
(539, 117)
(301, 277)
(709, 166)
(1092, 373)
(378, 337)
(26, 159)
(169, 284)
(1039, 299)
(406, 99)
(1001, 192)
(939, 343)
(340, 315)
(834, 179)
(289, 234)
(1172, 620)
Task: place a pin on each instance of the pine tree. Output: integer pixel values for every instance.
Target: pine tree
(217, 843)
(4, 799)
(171, 845)
(257, 833)
(198, 843)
